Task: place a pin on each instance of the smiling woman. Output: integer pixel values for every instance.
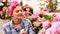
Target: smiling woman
(18, 24)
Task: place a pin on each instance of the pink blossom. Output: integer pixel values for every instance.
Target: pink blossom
(33, 17)
(37, 23)
(27, 9)
(57, 26)
(41, 31)
(51, 31)
(48, 31)
(26, 12)
(37, 13)
(43, 19)
(4, 9)
(56, 18)
(46, 24)
(11, 0)
(54, 29)
(58, 30)
(45, 11)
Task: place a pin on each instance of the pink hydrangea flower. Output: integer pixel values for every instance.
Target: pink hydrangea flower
(4, 9)
(46, 24)
(45, 11)
(51, 31)
(37, 13)
(27, 9)
(33, 17)
(43, 19)
(37, 23)
(54, 29)
(56, 17)
(26, 12)
(42, 31)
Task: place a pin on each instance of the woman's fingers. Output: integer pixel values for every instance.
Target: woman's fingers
(23, 31)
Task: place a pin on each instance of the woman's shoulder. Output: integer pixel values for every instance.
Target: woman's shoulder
(26, 21)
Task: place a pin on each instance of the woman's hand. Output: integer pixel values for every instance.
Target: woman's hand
(23, 31)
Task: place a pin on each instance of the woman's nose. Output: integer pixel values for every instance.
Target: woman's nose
(20, 12)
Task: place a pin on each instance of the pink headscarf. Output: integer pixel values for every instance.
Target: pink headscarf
(12, 6)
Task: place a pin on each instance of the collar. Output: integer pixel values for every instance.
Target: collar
(22, 26)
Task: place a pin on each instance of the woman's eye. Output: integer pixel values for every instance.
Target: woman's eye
(20, 10)
(17, 11)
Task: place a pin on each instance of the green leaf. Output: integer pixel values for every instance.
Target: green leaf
(47, 17)
(37, 29)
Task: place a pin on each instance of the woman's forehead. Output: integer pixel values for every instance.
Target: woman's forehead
(18, 8)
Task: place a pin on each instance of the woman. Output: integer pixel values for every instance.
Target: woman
(18, 25)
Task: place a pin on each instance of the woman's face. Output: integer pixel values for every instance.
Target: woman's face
(18, 12)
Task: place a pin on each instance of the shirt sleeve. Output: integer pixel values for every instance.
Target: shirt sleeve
(31, 31)
(4, 31)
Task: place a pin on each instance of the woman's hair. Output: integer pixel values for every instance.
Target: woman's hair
(12, 6)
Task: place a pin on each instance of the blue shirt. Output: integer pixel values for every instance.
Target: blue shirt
(9, 27)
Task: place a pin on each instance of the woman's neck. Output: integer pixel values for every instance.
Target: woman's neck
(17, 21)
